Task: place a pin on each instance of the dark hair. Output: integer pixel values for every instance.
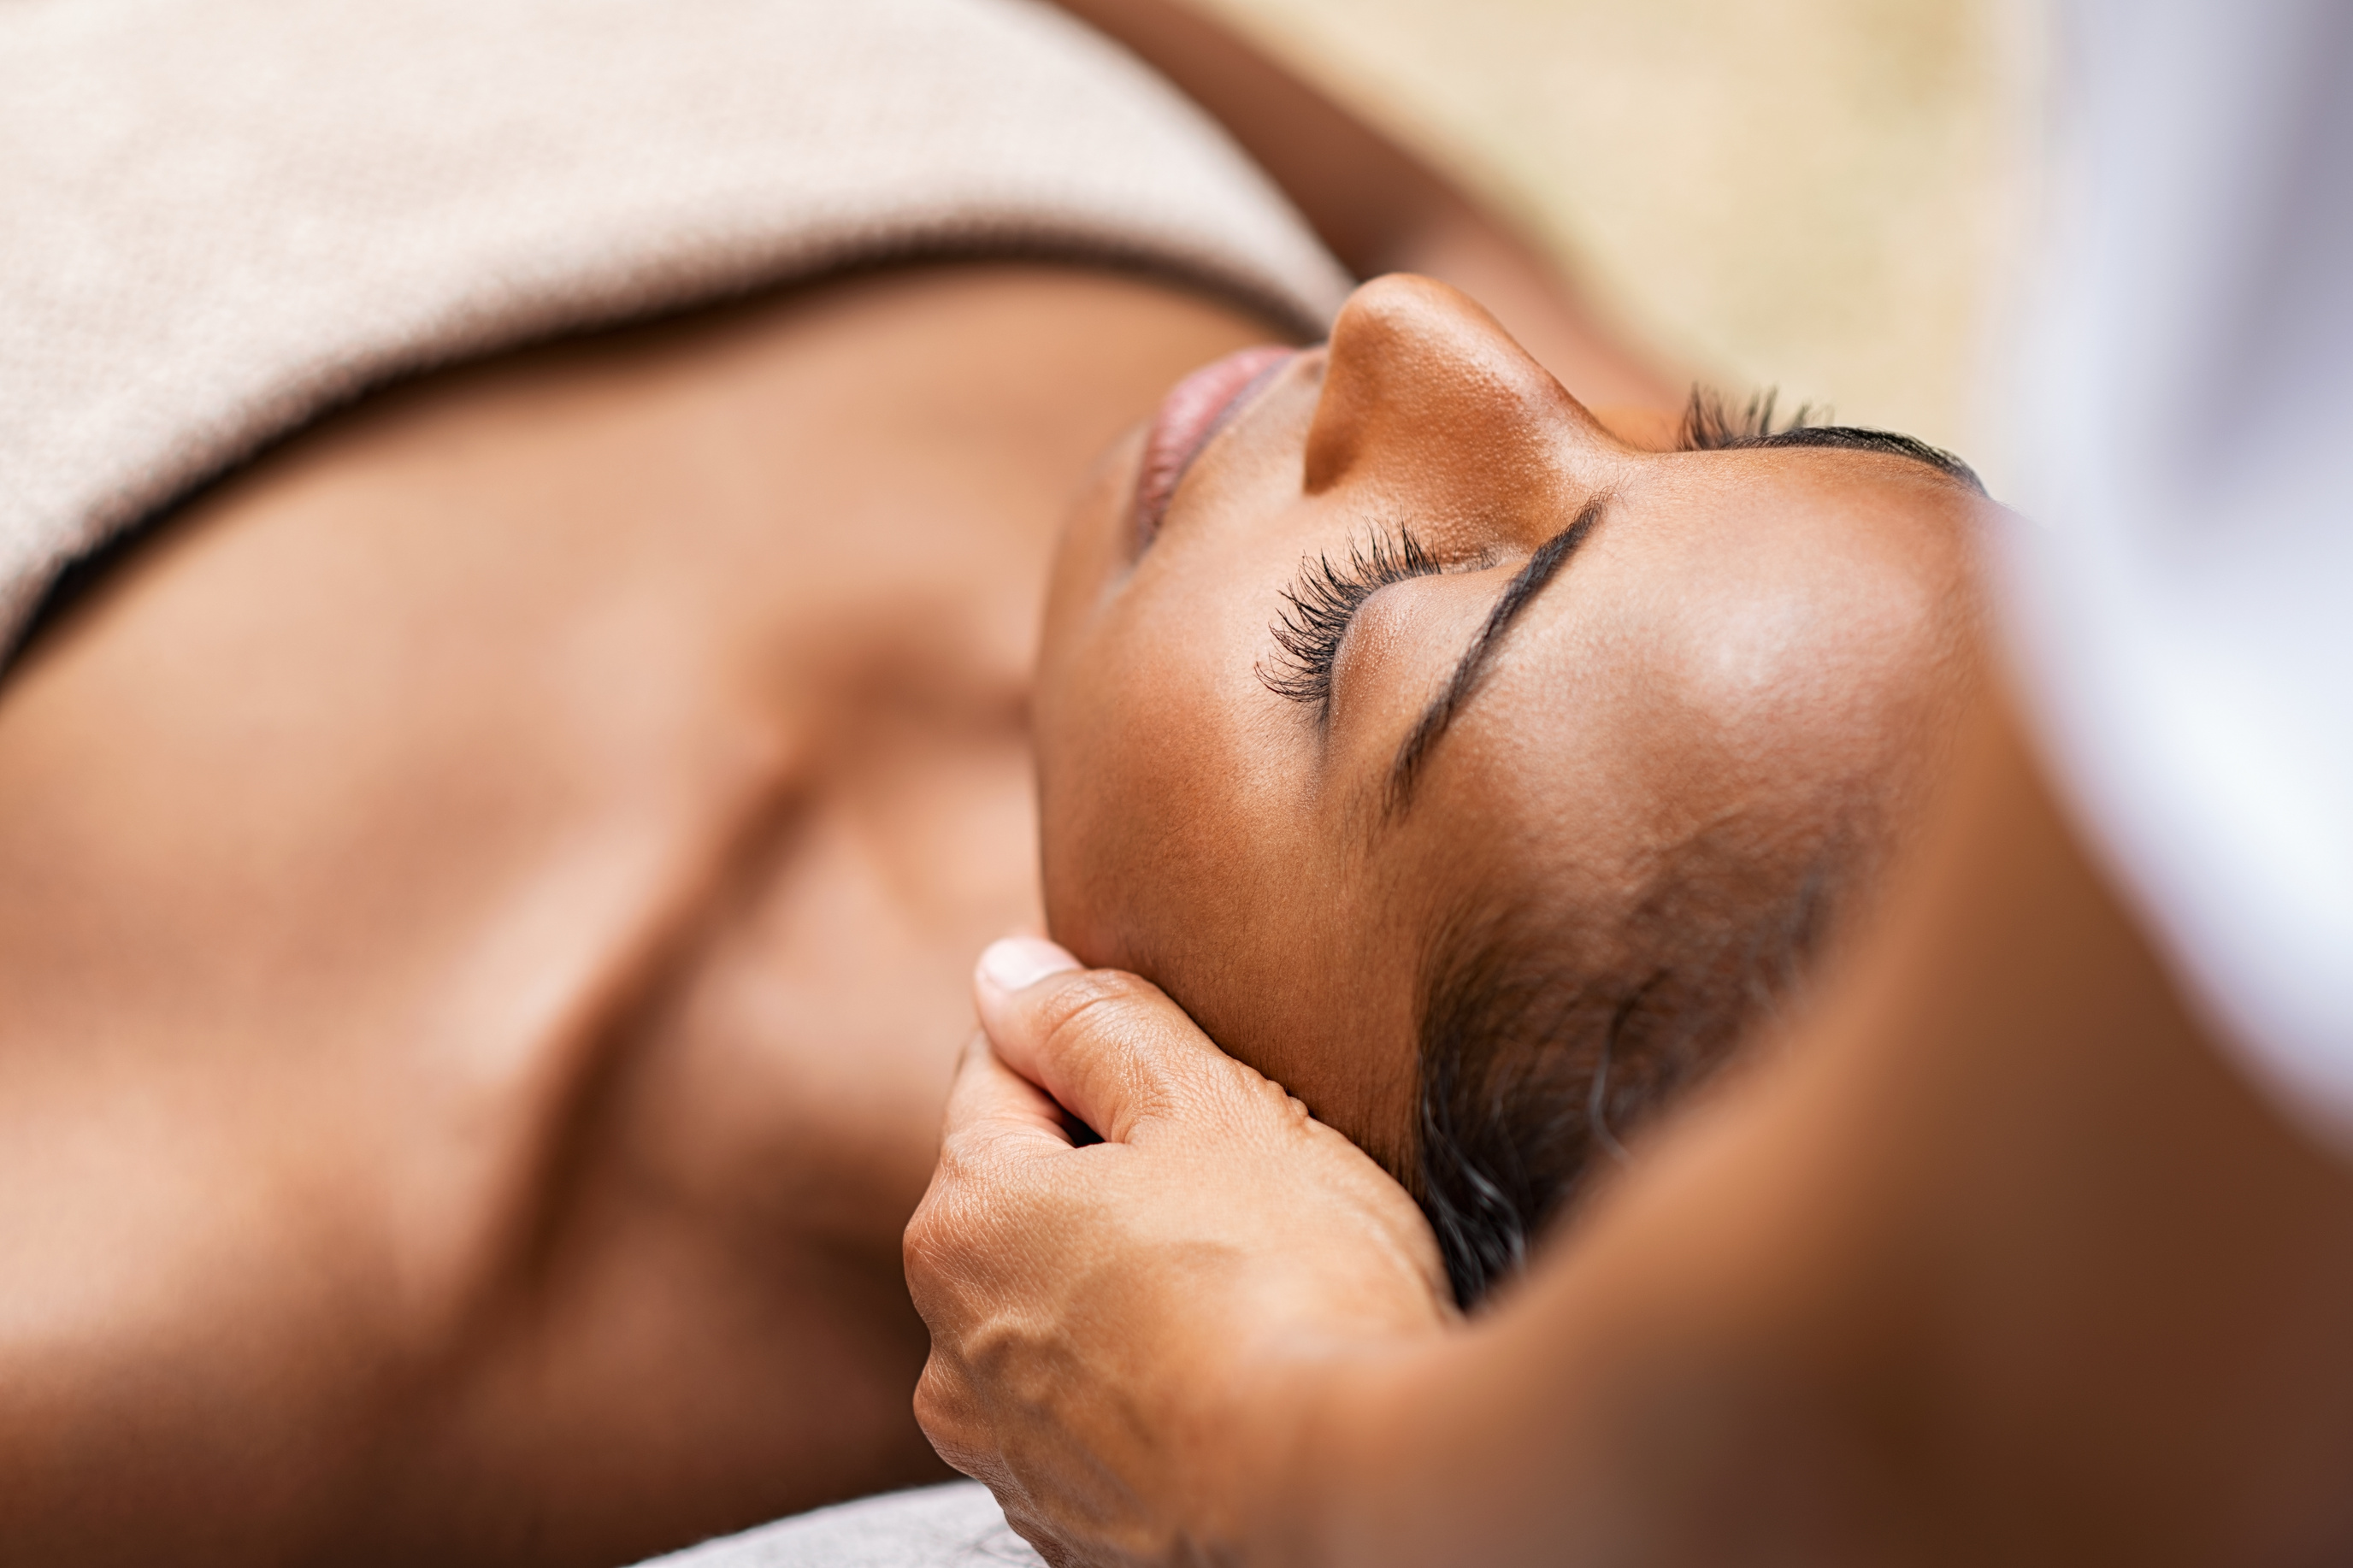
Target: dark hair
(1710, 425)
(1547, 1037)
(1544, 1042)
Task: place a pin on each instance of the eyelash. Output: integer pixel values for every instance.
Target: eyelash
(1321, 603)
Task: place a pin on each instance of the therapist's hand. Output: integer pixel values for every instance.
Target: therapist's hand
(1132, 1340)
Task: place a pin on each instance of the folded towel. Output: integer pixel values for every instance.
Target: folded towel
(219, 219)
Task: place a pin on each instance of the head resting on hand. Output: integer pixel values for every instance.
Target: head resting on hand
(1478, 775)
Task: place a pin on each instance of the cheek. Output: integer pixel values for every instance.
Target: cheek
(1167, 852)
(1146, 774)
(1082, 788)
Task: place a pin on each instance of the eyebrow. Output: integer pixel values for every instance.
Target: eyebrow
(1480, 657)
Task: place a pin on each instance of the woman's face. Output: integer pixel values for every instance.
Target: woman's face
(1540, 661)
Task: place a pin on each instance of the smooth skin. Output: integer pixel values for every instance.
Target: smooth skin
(1752, 651)
(1992, 1258)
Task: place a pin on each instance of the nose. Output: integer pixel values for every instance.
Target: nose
(1428, 404)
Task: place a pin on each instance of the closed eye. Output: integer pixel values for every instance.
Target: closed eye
(1319, 606)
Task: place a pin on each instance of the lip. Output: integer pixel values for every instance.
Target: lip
(1194, 410)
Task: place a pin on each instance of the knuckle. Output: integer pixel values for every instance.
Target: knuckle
(1122, 1036)
(973, 1162)
(942, 1412)
(935, 1405)
(1100, 1004)
(961, 1154)
(921, 1246)
(1111, 1032)
(941, 1243)
(941, 1234)
(968, 1226)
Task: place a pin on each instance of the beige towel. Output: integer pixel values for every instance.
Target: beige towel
(219, 219)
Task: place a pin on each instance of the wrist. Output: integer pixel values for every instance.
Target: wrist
(1316, 1442)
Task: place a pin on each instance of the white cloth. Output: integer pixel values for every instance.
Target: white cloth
(219, 219)
(957, 1525)
(2184, 615)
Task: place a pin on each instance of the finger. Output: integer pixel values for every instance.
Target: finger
(990, 1103)
(1109, 1046)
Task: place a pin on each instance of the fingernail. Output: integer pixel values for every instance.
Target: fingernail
(1017, 962)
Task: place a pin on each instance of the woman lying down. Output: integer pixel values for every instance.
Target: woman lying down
(487, 885)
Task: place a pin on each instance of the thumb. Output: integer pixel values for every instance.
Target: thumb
(1109, 1045)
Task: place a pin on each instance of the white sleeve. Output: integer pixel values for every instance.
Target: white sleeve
(2181, 610)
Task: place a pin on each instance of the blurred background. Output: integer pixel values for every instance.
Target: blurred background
(1824, 195)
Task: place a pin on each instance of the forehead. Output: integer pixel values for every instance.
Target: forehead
(1748, 563)
(1832, 498)
(1742, 635)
